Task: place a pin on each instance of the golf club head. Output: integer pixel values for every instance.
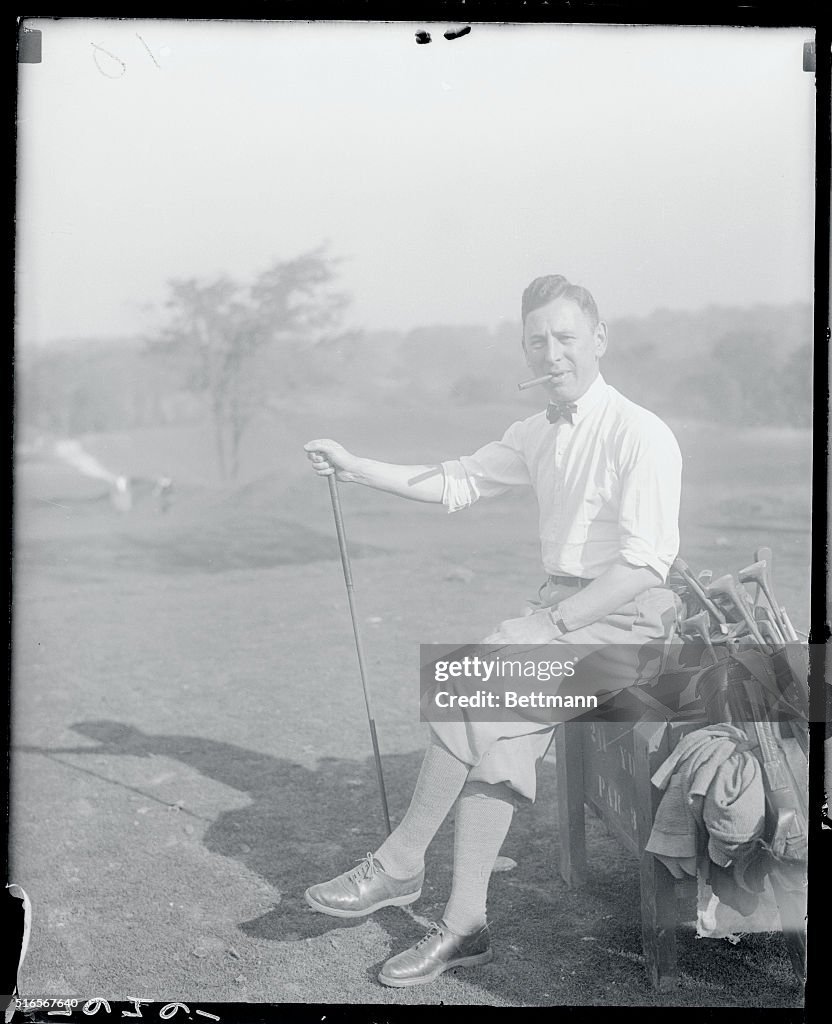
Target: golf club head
(684, 570)
(728, 589)
(746, 598)
(723, 588)
(763, 555)
(765, 582)
(753, 573)
(698, 625)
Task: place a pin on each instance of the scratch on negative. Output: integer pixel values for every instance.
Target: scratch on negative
(150, 52)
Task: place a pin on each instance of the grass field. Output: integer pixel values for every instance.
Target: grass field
(190, 744)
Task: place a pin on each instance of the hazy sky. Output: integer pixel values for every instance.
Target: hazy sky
(658, 166)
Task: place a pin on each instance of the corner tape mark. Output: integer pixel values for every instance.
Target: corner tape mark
(17, 912)
(29, 49)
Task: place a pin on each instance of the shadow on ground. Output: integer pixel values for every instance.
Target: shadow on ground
(552, 944)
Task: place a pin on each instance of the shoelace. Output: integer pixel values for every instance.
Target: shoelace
(434, 929)
(366, 869)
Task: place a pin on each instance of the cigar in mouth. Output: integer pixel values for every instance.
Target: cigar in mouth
(533, 383)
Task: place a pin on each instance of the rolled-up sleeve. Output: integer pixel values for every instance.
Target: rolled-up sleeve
(651, 482)
(493, 469)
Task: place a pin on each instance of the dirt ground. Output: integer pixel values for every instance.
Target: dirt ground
(190, 747)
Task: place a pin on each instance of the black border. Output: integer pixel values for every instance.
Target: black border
(762, 13)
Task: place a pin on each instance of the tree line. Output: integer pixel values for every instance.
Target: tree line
(232, 351)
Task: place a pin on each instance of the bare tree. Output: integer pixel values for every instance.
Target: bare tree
(220, 325)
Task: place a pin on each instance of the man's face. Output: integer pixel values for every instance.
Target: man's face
(559, 339)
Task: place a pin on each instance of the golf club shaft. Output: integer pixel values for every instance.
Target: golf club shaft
(775, 607)
(762, 614)
(764, 555)
(345, 563)
(769, 630)
(753, 574)
(791, 632)
(747, 611)
(753, 628)
(699, 624)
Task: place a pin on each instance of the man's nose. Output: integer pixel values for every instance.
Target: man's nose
(552, 351)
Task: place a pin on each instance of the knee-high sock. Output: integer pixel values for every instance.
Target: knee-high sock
(440, 781)
(483, 817)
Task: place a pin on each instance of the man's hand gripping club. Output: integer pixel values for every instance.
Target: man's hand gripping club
(419, 483)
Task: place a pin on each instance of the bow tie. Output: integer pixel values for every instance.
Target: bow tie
(560, 411)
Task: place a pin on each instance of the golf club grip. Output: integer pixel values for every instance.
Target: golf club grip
(339, 529)
(345, 562)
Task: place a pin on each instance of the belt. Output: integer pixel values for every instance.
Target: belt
(569, 581)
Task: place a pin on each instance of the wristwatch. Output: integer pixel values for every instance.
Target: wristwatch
(557, 619)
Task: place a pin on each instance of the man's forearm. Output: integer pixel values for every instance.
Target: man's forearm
(610, 591)
(419, 483)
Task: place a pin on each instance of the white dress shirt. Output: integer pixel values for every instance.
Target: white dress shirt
(607, 485)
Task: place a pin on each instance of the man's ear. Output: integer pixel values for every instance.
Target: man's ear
(600, 339)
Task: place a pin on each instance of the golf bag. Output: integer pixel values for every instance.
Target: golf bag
(763, 691)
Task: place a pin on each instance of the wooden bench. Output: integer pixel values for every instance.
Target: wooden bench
(608, 765)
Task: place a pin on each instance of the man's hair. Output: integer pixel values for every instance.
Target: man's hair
(544, 290)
